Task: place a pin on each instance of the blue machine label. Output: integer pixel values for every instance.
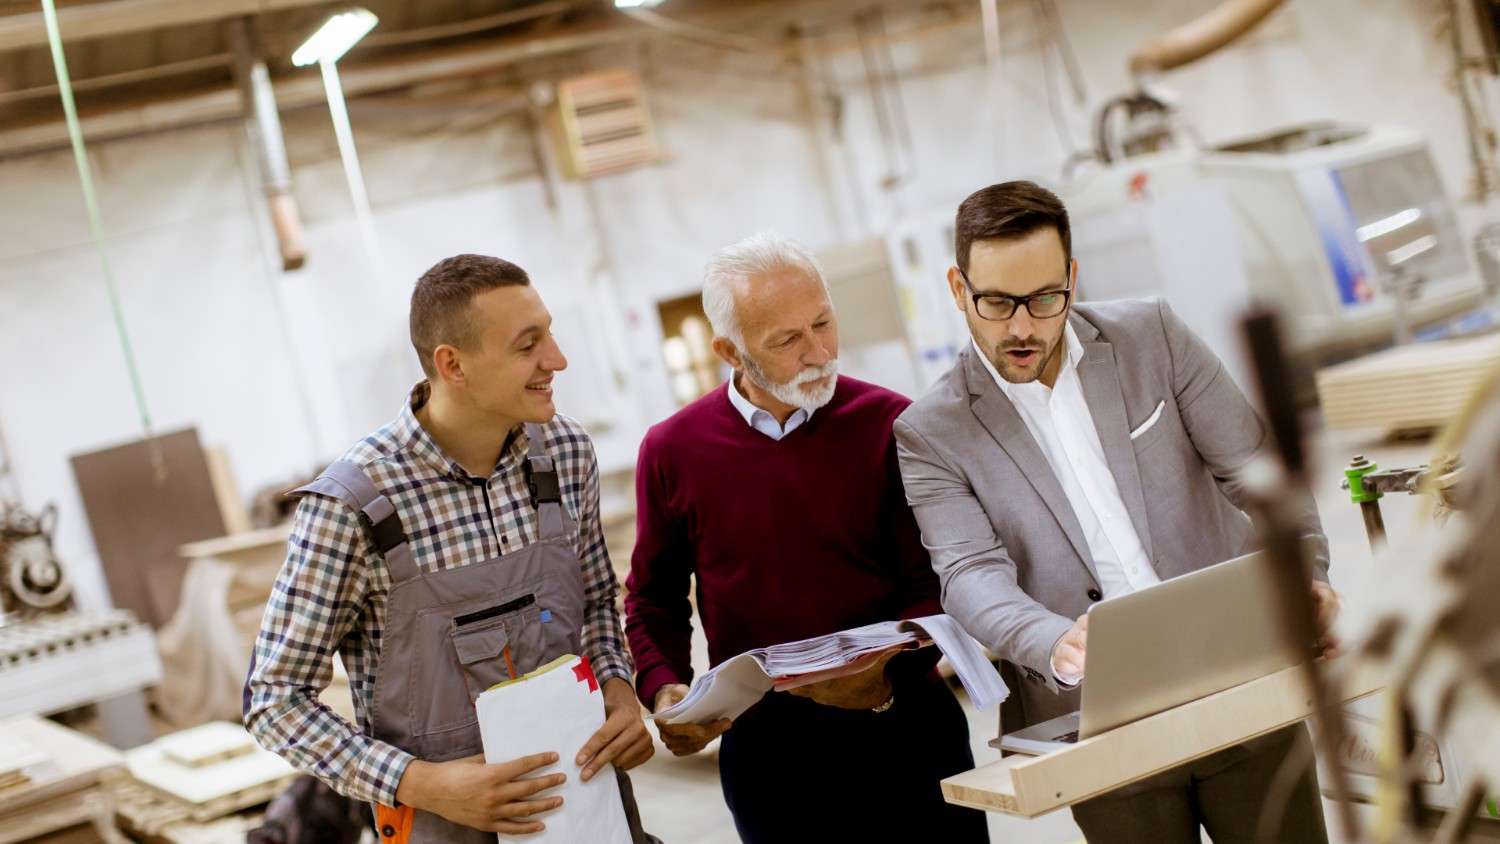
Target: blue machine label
(1324, 194)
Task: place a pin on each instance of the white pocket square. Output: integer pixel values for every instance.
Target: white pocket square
(1146, 426)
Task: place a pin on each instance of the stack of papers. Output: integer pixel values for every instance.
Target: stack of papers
(556, 709)
(733, 686)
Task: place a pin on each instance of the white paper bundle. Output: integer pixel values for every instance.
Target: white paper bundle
(734, 685)
(556, 709)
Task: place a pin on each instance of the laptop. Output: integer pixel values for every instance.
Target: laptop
(1169, 644)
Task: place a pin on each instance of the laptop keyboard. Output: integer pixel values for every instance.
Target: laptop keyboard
(1069, 738)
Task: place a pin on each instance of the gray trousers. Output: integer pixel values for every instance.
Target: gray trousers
(1224, 794)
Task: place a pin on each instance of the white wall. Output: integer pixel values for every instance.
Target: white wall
(192, 253)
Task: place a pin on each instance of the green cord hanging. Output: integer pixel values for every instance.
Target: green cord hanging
(85, 176)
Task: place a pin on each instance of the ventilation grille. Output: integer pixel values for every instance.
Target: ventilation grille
(605, 124)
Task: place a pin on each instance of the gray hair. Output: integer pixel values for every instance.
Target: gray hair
(757, 254)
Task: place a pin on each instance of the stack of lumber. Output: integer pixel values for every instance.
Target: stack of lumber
(194, 779)
(55, 781)
(1408, 388)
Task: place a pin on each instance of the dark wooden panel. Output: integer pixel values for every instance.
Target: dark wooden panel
(140, 512)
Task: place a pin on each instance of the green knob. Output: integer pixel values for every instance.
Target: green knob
(1355, 472)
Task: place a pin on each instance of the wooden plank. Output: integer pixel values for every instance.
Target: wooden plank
(252, 771)
(79, 814)
(226, 494)
(150, 815)
(1423, 385)
(141, 511)
(253, 544)
(1034, 785)
(75, 761)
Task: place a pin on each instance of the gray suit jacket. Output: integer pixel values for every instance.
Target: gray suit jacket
(1014, 564)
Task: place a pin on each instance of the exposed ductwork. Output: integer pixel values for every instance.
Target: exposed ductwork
(263, 125)
(1201, 36)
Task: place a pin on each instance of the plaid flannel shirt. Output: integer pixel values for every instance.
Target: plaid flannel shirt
(330, 596)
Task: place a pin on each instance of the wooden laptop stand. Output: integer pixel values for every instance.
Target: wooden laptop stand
(1029, 786)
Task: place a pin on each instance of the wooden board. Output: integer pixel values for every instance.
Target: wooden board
(1029, 786)
(83, 815)
(253, 545)
(225, 781)
(74, 761)
(1414, 387)
(210, 744)
(226, 493)
(140, 516)
(150, 815)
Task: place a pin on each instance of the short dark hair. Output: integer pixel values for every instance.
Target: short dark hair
(440, 302)
(1008, 211)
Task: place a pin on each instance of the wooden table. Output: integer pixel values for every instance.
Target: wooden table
(1029, 786)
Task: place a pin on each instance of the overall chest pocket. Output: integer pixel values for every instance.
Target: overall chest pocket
(494, 651)
(467, 652)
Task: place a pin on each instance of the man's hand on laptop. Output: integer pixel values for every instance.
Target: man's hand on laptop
(1326, 604)
(1068, 653)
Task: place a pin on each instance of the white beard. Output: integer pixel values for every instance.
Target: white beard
(791, 392)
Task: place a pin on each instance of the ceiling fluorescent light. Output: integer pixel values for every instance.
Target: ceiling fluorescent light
(334, 38)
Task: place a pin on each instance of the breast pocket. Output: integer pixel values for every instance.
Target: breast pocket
(464, 654)
(1140, 430)
(499, 647)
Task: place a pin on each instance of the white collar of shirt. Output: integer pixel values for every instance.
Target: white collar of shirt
(1062, 425)
(762, 420)
(1072, 346)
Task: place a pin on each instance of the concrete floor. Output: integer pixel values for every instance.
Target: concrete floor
(680, 798)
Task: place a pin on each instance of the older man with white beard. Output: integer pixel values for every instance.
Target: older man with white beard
(780, 493)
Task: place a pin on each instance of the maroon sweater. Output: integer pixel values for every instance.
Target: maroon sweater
(787, 539)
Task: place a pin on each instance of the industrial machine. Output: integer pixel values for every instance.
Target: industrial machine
(31, 578)
(1345, 229)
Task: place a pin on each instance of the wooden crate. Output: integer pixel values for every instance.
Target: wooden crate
(1417, 387)
(1029, 786)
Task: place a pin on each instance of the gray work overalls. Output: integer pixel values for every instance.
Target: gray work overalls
(446, 632)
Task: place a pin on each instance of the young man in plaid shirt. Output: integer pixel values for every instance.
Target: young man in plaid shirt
(468, 525)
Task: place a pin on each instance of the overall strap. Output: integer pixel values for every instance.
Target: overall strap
(348, 483)
(546, 490)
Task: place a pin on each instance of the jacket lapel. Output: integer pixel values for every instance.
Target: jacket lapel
(1100, 378)
(1005, 425)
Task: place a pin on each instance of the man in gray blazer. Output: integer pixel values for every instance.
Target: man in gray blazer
(1072, 454)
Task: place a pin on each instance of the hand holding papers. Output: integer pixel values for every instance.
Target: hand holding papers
(736, 684)
(555, 709)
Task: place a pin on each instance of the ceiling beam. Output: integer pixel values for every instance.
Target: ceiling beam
(305, 88)
(118, 17)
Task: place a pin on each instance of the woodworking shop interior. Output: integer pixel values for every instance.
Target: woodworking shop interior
(214, 217)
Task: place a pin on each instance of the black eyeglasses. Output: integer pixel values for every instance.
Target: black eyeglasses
(998, 307)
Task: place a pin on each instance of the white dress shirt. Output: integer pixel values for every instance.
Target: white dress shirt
(1059, 420)
(761, 420)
